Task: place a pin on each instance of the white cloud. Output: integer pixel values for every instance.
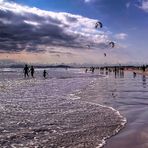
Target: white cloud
(144, 5)
(29, 29)
(121, 36)
(31, 23)
(128, 5)
(88, 1)
(80, 29)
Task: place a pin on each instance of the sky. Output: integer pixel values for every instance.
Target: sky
(63, 31)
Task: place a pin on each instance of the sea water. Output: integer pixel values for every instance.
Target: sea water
(57, 112)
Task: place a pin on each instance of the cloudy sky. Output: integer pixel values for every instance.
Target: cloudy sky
(63, 31)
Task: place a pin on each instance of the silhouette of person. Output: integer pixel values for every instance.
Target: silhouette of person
(86, 70)
(93, 69)
(115, 71)
(32, 71)
(134, 74)
(26, 71)
(144, 81)
(45, 73)
(143, 68)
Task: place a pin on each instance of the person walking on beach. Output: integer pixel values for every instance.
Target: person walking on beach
(26, 71)
(32, 71)
(45, 74)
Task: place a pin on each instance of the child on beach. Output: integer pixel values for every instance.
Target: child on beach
(45, 74)
(32, 71)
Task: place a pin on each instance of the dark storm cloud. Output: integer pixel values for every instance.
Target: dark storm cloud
(24, 28)
(13, 31)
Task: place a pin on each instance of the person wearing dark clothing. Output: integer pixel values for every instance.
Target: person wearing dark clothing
(143, 68)
(45, 73)
(92, 69)
(32, 71)
(86, 70)
(26, 71)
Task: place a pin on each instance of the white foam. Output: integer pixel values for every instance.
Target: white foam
(123, 121)
(101, 144)
(74, 97)
(23, 83)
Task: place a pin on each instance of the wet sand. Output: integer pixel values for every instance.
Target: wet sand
(139, 72)
(129, 95)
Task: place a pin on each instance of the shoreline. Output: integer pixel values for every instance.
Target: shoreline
(40, 120)
(117, 130)
(139, 72)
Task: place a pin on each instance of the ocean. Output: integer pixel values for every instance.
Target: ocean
(69, 109)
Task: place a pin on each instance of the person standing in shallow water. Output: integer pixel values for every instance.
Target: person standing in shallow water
(45, 74)
(143, 68)
(26, 71)
(86, 70)
(32, 71)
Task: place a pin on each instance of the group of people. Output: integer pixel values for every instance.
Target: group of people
(31, 70)
(92, 69)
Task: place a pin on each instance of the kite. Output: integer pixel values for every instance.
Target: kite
(98, 24)
(112, 44)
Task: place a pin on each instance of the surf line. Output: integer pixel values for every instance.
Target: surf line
(119, 127)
